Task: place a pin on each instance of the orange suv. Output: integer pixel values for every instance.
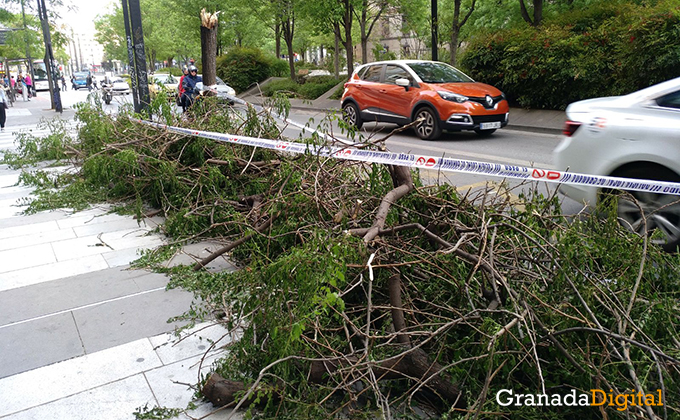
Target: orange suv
(439, 95)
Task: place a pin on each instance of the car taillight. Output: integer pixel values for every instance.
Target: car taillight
(570, 128)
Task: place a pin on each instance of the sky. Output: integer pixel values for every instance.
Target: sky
(82, 20)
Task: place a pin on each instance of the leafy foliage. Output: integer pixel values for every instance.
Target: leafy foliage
(608, 49)
(498, 296)
(312, 88)
(242, 67)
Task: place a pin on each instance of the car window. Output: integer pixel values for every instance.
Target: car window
(373, 73)
(433, 72)
(672, 100)
(392, 73)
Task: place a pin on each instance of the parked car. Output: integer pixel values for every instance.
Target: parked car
(163, 81)
(120, 86)
(443, 97)
(223, 90)
(631, 136)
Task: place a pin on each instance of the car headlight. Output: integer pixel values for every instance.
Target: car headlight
(453, 97)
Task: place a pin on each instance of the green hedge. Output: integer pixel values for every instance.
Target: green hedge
(312, 88)
(242, 67)
(608, 49)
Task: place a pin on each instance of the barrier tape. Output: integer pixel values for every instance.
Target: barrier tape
(436, 163)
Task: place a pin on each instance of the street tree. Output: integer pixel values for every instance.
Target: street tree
(537, 12)
(209, 46)
(456, 14)
(368, 13)
(335, 17)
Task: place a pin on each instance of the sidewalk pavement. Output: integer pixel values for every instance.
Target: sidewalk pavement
(82, 335)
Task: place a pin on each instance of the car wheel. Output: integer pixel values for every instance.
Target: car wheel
(350, 113)
(429, 128)
(484, 133)
(661, 211)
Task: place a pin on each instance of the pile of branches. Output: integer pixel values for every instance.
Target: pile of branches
(362, 290)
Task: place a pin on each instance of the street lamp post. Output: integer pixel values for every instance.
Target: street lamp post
(435, 28)
(136, 54)
(49, 58)
(28, 49)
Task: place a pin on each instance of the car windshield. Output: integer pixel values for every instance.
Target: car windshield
(430, 72)
(164, 78)
(118, 81)
(80, 75)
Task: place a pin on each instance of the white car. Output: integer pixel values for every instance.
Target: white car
(223, 90)
(631, 136)
(120, 87)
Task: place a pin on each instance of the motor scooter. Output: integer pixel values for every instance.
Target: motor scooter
(107, 93)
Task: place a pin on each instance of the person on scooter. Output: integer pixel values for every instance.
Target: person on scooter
(189, 85)
(180, 89)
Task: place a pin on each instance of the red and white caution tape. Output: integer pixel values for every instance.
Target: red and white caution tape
(436, 163)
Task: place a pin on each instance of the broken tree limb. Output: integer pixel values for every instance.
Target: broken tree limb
(233, 245)
(401, 177)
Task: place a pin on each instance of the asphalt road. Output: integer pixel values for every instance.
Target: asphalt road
(505, 146)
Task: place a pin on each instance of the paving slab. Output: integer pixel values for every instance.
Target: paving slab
(114, 401)
(137, 316)
(53, 339)
(29, 256)
(51, 271)
(61, 380)
(38, 238)
(23, 303)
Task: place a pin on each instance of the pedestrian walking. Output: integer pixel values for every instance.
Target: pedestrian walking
(63, 83)
(29, 85)
(3, 106)
(88, 82)
(22, 85)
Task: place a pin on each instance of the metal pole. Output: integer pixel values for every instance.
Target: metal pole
(28, 49)
(435, 25)
(49, 58)
(131, 56)
(140, 53)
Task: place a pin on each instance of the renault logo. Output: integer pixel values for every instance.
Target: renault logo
(489, 101)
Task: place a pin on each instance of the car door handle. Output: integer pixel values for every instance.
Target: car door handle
(383, 90)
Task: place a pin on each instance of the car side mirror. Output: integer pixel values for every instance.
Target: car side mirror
(404, 83)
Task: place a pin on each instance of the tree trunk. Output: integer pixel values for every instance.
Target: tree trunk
(336, 56)
(538, 12)
(349, 47)
(364, 35)
(456, 26)
(288, 29)
(209, 47)
(277, 35)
